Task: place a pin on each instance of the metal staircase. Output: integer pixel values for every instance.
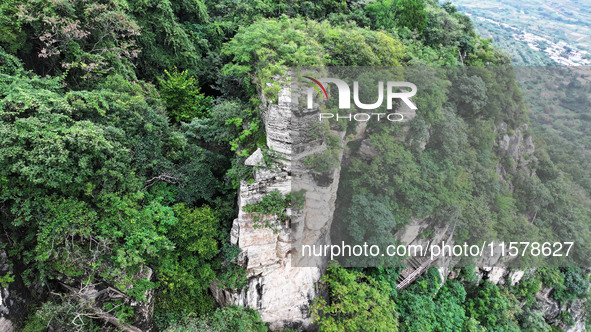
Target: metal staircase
(417, 265)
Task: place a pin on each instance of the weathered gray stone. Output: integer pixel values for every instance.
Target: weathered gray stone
(255, 159)
(518, 144)
(515, 277)
(497, 274)
(280, 292)
(13, 297)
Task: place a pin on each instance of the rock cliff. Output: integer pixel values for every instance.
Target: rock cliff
(280, 291)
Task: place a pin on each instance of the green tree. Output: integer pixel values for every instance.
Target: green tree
(83, 181)
(183, 97)
(83, 39)
(533, 320)
(230, 318)
(187, 273)
(575, 284)
(170, 37)
(425, 306)
(388, 14)
(356, 302)
(493, 307)
(266, 48)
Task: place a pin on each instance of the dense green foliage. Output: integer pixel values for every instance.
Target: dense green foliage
(237, 319)
(429, 305)
(356, 302)
(181, 94)
(124, 126)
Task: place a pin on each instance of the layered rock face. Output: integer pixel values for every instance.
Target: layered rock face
(281, 284)
(518, 146)
(280, 291)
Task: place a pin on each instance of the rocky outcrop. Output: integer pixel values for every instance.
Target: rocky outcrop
(517, 148)
(500, 275)
(279, 290)
(553, 309)
(13, 298)
(518, 144)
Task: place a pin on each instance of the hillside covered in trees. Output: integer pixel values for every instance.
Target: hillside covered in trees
(125, 124)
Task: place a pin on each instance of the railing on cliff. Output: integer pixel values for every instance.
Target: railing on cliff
(418, 266)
